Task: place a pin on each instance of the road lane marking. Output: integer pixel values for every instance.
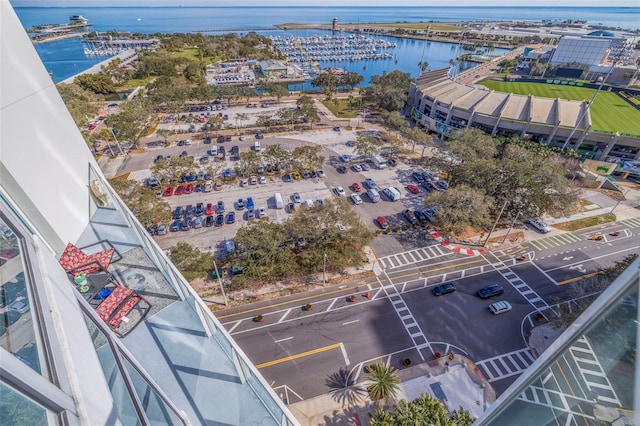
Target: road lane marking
(286, 314)
(344, 354)
(300, 355)
(283, 340)
(581, 277)
(395, 277)
(234, 326)
(350, 322)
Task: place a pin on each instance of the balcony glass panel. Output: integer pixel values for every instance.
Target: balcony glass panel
(17, 327)
(121, 397)
(17, 410)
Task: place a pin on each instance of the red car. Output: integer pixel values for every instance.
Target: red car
(168, 192)
(92, 127)
(413, 189)
(356, 187)
(179, 190)
(188, 189)
(209, 209)
(382, 222)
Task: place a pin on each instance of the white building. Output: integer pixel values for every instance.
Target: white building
(167, 360)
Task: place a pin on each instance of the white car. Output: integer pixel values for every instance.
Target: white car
(262, 179)
(539, 225)
(500, 307)
(261, 212)
(356, 199)
(339, 191)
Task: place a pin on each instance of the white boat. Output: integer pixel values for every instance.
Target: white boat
(77, 18)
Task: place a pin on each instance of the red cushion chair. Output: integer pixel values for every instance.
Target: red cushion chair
(75, 260)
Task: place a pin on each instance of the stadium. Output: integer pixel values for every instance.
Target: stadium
(603, 125)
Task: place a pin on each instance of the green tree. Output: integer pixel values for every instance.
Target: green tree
(276, 154)
(389, 91)
(169, 171)
(393, 121)
(142, 201)
(131, 121)
(277, 90)
(327, 82)
(241, 117)
(367, 145)
(97, 83)
(80, 102)
(249, 161)
(384, 383)
(307, 157)
(191, 262)
(308, 109)
(351, 79)
(425, 410)
(460, 207)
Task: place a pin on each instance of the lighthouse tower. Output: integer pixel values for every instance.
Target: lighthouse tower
(334, 24)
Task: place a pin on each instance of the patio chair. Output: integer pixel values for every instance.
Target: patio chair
(74, 259)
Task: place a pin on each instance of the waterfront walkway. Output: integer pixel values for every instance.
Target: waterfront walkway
(126, 57)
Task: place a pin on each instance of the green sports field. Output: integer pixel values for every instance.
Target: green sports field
(609, 112)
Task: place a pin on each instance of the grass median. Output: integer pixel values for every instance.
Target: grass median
(587, 222)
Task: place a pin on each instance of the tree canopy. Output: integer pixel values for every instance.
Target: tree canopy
(425, 410)
(389, 91)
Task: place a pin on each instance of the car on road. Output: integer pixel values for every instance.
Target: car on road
(339, 191)
(357, 200)
(538, 225)
(356, 187)
(345, 158)
(365, 167)
(500, 307)
(220, 207)
(209, 209)
(209, 221)
(441, 289)
(240, 204)
(409, 217)
(413, 189)
(231, 218)
(490, 291)
(382, 222)
(341, 169)
(296, 198)
(371, 184)
(356, 168)
(168, 192)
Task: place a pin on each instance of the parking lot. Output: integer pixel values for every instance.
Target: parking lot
(334, 144)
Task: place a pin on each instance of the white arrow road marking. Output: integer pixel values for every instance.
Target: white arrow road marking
(567, 258)
(579, 268)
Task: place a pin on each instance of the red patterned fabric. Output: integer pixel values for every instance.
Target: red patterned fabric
(74, 258)
(124, 310)
(112, 302)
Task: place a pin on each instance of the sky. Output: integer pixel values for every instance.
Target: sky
(512, 3)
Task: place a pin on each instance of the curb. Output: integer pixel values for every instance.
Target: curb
(461, 250)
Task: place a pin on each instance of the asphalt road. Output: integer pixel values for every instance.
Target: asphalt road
(302, 349)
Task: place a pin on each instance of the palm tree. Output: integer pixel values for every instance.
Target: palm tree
(241, 117)
(384, 383)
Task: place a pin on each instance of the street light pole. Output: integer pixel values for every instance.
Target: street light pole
(495, 224)
(324, 268)
(511, 227)
(224, 295)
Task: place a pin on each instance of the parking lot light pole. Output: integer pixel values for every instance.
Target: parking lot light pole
(224, 295)
(324, 268)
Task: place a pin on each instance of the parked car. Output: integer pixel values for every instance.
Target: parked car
(240, 204)
(500, 307)
(197, 222)
(417, 176)
(409, 217)
(365, 167)
(261, 212)
(357, 200)
(209, 209)
(441, 289)
(179, 190)
(220, 207)
(321, 173)
(345, 158)
(356, 168)
(371, 184)
(262, 180)
(250, 214)
(249, 203)
(175, 226)
(356, 187)
(199, 211)
(209, 221)
(382, 222)
(420, 216)
(219, 220)
(162, 229)
(490, 291)
(168, 192)
(185, 225)
(253, 180)
(231, 218)
(296, 198)
(178, 212)
(413, 189)
(188, 189)
(341, 169)
(339, 191)
(538, 225)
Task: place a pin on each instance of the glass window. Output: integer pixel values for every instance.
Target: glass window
(121, 397)
(17, 327)
(16, 409)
